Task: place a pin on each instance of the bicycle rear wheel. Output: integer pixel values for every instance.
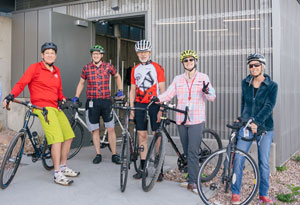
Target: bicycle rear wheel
(210, 143)
(12, 159)
(154, 161)
(214, 191)
(125, 162)
(46, 156)
(77, 140)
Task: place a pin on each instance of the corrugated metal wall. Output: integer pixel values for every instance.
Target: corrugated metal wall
(96, 9)
(286, 16)
(223, 33)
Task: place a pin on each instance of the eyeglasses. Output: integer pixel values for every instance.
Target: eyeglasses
(187, 60)
(254, 65)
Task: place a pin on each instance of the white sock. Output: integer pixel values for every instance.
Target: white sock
(57, 173)
(62, 167)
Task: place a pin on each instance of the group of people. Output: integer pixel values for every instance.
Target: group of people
(192, 88)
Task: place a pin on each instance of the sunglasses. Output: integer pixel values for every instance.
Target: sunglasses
(187, 60)
(254, 65)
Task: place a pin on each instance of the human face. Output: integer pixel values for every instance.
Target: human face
(256, 68)
(189, 63)
(144, 56)
(97, 56)
(49, 56)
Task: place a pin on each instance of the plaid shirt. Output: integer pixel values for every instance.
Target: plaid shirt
(98, 79)
(180, 88)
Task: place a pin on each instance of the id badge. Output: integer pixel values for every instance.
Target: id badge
(91, 104)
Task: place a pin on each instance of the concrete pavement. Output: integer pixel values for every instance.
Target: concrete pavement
(97, 184)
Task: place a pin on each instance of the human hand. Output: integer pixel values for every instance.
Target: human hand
(205, 87)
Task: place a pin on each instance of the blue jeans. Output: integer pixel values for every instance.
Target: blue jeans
(263, 147)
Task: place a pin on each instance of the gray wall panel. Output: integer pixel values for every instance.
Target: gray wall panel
(286, 70)
(17, 70)
(31, 49)
(44, 27)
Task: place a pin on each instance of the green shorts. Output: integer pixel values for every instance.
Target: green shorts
(58, 129)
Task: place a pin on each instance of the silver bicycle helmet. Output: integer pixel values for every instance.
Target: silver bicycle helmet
(256, 57)
(143, 45)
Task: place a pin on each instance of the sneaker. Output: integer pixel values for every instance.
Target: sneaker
(184, 184)
(193, 188)
(138, 175)
(97, 159)
(69, 172)
(62, 180)
(235, 199)
(265, 199)
(115, 159)
(160, 177)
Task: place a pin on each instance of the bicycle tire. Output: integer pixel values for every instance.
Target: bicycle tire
(125, 162)
(210, 143)
(46, 156)
(12, 159)
(136, 151)
(208, 191)
(153, 162)
(77, 140)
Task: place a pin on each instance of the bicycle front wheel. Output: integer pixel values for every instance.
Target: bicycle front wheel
(12, 159)
(125, 162)
(46, 156)
(77, 140)
(214, 191)
(136, 151)
(210, 143)
(154, 161)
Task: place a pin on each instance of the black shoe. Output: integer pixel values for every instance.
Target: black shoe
(138, 175)
(115, 159)
(97, 159)
(160, 177)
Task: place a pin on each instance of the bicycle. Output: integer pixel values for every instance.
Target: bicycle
(14, 153)
(156, 151)
(130, 148)
(77, 124)
(210, 192)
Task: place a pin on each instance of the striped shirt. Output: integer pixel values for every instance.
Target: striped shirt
(180, 87)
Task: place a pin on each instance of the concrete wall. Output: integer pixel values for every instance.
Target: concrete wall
(5, 61)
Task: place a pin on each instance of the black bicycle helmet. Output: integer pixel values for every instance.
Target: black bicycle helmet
(97, 48)
(48, 45)
(256, 57)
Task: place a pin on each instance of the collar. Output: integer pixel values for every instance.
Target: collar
(44, 67)
(267, 80)
(147, 63)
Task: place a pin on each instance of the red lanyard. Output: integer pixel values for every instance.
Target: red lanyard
(190, 88)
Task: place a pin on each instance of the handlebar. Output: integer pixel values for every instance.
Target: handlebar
(171, 107)
(247, 125)
(31, 106)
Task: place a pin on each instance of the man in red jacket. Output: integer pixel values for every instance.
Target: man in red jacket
(44, 82)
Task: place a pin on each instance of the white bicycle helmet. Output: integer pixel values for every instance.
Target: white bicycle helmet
(143, 45)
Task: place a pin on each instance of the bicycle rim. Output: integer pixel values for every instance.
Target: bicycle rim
(211, 142)
(77, 140)
(153, 162)
(12, 160)
(213, 191)
(46, 156)
(125, 160)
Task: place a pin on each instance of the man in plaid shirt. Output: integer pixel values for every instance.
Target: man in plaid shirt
(97, 74)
